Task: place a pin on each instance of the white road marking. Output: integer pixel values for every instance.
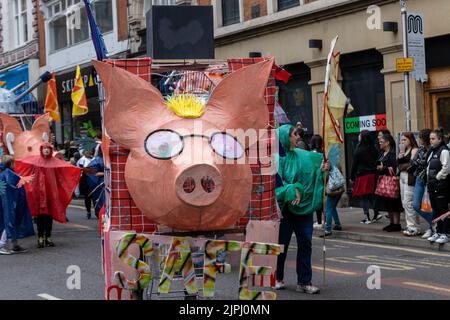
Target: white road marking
(46, 296)
(429, 253)
(426, 286)
(76, 207)
(327, 269)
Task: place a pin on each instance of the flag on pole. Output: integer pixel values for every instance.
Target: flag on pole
(96, 35)
(51, 100)
(335, 103)
(80, 106)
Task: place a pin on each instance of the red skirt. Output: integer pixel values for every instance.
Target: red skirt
(364, 185)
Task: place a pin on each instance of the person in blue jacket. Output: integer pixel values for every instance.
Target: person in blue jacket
(95, 181)
(15, 217)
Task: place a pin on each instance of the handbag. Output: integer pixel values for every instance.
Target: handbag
(425, 206)
(388, 186)
(335, 180)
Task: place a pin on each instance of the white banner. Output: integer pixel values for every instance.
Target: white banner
(416, 45)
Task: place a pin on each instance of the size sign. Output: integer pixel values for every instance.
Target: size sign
(405, 64)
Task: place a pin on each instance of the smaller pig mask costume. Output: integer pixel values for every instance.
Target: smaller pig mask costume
(22, 144)
(165, 183)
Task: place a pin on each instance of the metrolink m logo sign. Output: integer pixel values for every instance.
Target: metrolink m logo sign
(370, 123)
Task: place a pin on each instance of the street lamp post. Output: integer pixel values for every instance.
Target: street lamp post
(405, 74)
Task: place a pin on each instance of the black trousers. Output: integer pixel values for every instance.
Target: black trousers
(44, 225)
(439, 203)
(88, 203)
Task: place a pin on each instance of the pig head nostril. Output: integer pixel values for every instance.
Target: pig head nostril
(189, 185)
(208, 184)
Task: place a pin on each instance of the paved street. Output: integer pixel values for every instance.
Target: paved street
(406, 273)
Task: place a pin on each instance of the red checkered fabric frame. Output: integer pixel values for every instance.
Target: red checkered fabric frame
(263, 202)
(124, 215)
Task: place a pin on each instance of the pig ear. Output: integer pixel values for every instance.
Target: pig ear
(42, 125)
(10, 125)
(134, 107)
(238, 101)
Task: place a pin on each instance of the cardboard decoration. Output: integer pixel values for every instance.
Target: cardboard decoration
(173, 173)
(26, 143)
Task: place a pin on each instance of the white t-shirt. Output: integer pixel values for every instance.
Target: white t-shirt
(83, 162)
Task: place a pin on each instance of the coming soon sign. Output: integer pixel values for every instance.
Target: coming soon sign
(371, 123)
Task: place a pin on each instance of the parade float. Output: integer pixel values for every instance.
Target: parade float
(183, 190)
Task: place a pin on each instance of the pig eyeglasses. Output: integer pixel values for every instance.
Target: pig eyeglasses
(165, 144)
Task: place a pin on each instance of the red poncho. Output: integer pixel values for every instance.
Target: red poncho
(54, 182)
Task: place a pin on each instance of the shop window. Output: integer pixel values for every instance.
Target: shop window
(295, 97)
(20, 22)
(286, 4)
(363, 83)
(69, 24)
(230, 12)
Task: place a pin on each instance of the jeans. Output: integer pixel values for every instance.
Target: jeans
(419, 191)
(331, 212)
(367, 204)
(302, 226)
(407, 194)
(439, 204)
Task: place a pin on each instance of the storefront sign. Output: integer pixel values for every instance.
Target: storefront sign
(66, 81)
(370, 123)
(416, 45)
(405, 64)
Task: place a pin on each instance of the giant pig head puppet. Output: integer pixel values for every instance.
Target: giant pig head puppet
(26, 143)
(175, 172)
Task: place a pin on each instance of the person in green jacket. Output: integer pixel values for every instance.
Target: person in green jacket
(299, 196)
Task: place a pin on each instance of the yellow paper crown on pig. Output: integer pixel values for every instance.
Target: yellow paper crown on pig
(186, 105)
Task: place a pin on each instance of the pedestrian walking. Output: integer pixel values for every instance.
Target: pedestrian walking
(363, 174)
(419, 165)
(438, 173)
(316, 145)
(298, 197)
(408, 150)
(84, 189)
(387, 191)
(334, 190)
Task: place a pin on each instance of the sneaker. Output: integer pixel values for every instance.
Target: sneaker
(337, 228)
(49, 242)
(377, 218)
(326, 234)
(19, 249)
(40, 243)
(317, 226)
(5, 251)
(307, 288)
(388, 227)
(427, 234)
(279, 285)
(411, 232)
(442, 239)
(366, 221)
(434, 237)
(88, 216)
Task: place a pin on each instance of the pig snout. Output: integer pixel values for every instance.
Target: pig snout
(199, 185)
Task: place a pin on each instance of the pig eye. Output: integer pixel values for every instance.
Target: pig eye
(227, 146)
(164, 144)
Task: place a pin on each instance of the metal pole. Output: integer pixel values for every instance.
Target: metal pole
(406, 74)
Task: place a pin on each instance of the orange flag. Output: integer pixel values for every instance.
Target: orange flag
(51, 100)
(80, 106)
